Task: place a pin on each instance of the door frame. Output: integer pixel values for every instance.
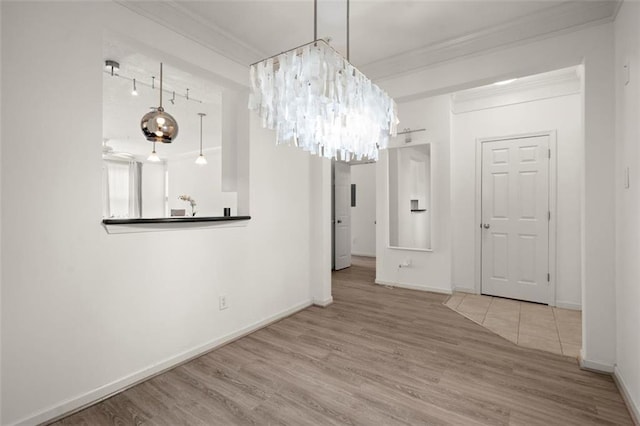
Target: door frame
(552, 134)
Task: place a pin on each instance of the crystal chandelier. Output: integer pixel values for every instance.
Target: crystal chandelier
(315, 99)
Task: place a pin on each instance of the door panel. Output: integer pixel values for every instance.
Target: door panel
(515, 225)
(342, 215)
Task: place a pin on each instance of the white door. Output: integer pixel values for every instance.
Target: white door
(342, 215)
(515, 218)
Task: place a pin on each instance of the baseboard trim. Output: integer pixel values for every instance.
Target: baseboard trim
(465, 290)
(595, 366)
(323, 303)
(413, 287)
(568, 305)
(363, 254)
(75, 404)
(633, 408)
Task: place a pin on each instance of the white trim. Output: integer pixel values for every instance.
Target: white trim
(323, 303)
(409, 249)
(363, 254)
(569, 305)
(82, 401)
(596, 366)
(465, 290)
(413, 287)
(633, 408)
(552, 191)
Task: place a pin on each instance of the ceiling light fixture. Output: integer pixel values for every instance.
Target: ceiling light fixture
(201, 161)
(504, 82)
(112, 66)
(153, 157)
(157, 125)
(315, 99)
(134, 92)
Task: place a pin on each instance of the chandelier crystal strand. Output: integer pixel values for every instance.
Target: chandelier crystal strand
(315, 99)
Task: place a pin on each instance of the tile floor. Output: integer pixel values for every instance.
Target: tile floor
(526, 324)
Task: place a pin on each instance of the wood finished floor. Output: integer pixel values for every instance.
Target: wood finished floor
(376, 356)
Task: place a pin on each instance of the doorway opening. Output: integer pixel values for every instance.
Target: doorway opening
(354, 214)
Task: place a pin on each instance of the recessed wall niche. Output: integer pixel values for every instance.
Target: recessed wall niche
(410, 197)
(135, 186)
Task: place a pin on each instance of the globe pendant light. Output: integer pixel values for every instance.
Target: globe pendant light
(201, 161)
(157, 125)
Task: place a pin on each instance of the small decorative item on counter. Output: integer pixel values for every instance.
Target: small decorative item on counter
(227, 211)
(191, 201)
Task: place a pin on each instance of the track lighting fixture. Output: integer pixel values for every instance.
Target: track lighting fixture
(201, 161)
(112, 66)
(134, 92)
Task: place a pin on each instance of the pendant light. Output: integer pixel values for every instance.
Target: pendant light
(134, 92)
(201, 161)
(315, 99)
(153, 157)
(157, 125)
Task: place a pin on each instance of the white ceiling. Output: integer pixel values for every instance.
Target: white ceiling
(388, 37)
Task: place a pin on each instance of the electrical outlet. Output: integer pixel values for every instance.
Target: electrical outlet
(222, 300)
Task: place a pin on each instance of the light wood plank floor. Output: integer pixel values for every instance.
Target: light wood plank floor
(376, 356)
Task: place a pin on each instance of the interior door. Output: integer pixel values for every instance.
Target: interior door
(515, 218)
(342, 215)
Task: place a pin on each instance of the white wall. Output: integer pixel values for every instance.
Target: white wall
(153, 189)
(429, 270)
(560, 114)
(363, 215)
(628, 201)
(593, 47)
(85, 312)
(203, 183)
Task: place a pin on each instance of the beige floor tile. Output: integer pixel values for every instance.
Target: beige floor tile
(571, 334)
(473, 316)
(568, 315)
(540, 329)
(540, 343)
(499, 312)
(537, 313)
(454, 300)
(570, 350)
(505, 305)
(497, 322)
(527, 324)
(509, 331)
(475, 305)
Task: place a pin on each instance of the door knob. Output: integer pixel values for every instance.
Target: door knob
(339, 221)
(486, 226)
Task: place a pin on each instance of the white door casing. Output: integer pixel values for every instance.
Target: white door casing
(515, 218)
(342, 215)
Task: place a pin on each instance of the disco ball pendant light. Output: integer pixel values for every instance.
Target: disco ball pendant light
(157, 125)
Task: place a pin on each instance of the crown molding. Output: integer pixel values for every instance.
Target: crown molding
(565, 77)
(569, 16)
(178, 18)
(539, 87)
